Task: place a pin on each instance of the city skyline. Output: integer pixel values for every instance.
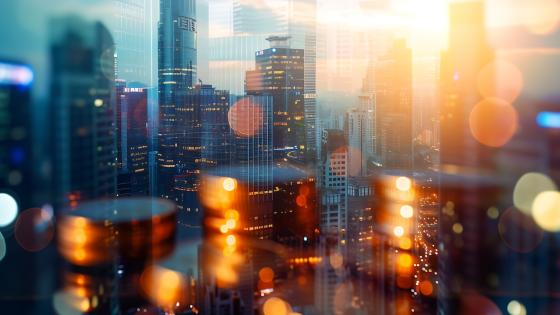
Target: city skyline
(279, 157)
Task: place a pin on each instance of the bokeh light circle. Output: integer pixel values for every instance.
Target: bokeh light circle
(2, 247)
(518, 231)
(266, 274)
(546, 210)
(516, 308)
(8, 209)
(245, 118)
(493, 122)
(34, 229)
(540, 17)
(528, 187)
(500, 79)
(275, 306)
(474, 303)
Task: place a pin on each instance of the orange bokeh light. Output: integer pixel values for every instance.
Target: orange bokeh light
(266, 274)
(245, 118)
(493, 122)
(426, 287)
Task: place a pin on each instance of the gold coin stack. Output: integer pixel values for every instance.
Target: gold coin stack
(123, 230)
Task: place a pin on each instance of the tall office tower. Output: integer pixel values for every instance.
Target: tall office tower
(132, 30)
(203, 141)
(132, 139)
(83, 110)
(177, 72)
(266, 18)
(425, 99)
(253, 155)
(16, 172)
(279, 72)
(468, 186)
(360, 133)
(468, 51)
(203, 40)
(303, 35)
(216, 137)
(333, 224)
(393, 90)
(360, 231)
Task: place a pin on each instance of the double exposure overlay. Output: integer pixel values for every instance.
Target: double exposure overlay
(280, 157)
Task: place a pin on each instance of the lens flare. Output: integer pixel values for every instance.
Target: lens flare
(275, 306)
(407, 211)
(518, 231)
(528, 187)
(34, 229)
(493, 122)
(245, 118)
(403, 183)
(546, 210)
(9, 209)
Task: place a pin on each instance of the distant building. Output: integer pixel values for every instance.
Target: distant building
(16, 147)
(393, 110)
(83, 110)
(132, 139)
(279, 72)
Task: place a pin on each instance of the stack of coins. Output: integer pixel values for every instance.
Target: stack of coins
(108, 243)
(131, 229)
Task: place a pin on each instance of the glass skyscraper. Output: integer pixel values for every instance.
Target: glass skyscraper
(176, 73)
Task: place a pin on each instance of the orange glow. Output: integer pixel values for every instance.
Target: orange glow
(266, 274)
(224, 229)
(229, 184)
(245, 118)
(426, 287)
(403, 183)
(230, 240)
(301, 201)
(232, 214)
(230, 224)
(405, 243)
(406, 211)
(163, 287)
(398, 231)
(404, 263)
(493, 122)
(500, 79)
(275, 306)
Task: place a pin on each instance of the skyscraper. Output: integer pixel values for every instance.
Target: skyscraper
(279, 72)
(360, 131)
(176, 73)
(132, 139)
(393, 111)
(83, 107)
(468, 186)
(16, 167)
(333, 217)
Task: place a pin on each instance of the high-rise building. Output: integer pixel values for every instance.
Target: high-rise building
(270, 18)
(203, 142)
(393, 110)
(360, 133)
(468, 186)
(333, 217)
(83, 110)
(303, 35)
(279, 72)
(132, 139)
(176, 73)
(16, 167)
(133, 25)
